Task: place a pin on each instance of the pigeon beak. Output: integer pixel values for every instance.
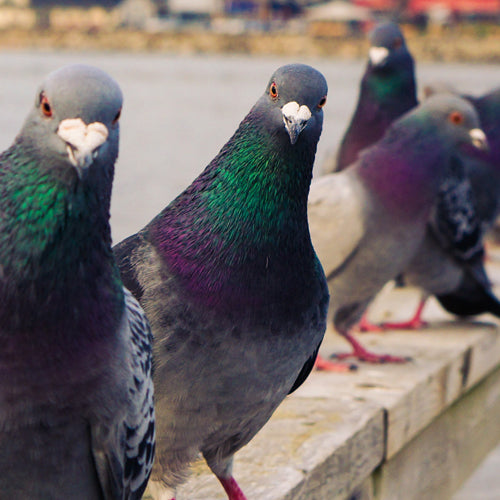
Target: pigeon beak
(378, 55)
(478, 139)
(82, 141)
(295, 118)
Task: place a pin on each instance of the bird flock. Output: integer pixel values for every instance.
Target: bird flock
(221, 301)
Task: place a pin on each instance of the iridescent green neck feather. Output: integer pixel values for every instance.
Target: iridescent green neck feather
(54, 241)
(244, 219)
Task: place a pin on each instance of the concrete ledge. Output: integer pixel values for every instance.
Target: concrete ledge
(384, 432)
(313, 448)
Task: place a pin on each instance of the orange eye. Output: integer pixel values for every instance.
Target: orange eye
(456, 118)
(398, 42)
(273, 91)
(45, 106)
(117, 117)
(322, 102)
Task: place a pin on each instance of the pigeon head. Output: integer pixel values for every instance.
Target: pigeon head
(249, 205)
(74, 121)
(454, 117)
(293, 102)
(58, 170)
(387, 46)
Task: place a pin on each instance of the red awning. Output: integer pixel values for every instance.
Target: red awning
(469, 6)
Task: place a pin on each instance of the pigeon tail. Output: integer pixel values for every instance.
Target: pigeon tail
(470, 304)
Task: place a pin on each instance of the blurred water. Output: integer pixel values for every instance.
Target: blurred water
(180, 110)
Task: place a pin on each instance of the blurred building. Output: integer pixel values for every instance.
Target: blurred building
(84, 4)
(319, 17)
(16, 13)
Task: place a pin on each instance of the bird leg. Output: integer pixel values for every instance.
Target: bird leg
(231, 487)
(415, 323)
(363, 354)
(321, 364)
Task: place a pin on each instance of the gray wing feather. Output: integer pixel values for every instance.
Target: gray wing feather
(336, 218)
(455, 222)
(123, 449)
(140, 420)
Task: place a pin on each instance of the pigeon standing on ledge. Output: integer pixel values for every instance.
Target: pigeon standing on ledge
(387, 91)
(368, 221)
(76, 402)
(230, 282)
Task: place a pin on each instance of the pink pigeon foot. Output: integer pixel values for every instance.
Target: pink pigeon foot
(415, 323)
(321, 364)
(363, 354)
(365, 325)
(232, 489)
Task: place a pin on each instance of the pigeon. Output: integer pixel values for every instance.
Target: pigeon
(76, 405)
(387, 91)
(450, 264)
(230, 282)
(483, 168)
(368, 221)
(468, 205)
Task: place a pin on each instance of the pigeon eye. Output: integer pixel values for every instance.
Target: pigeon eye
(45, 106)
(273, 91)
(456, 118)
(322, 102)
(117, 117)
(398, 42)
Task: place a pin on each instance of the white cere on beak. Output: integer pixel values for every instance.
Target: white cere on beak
(295, 118)
(82, 140)
(479, 139)
(378, 55)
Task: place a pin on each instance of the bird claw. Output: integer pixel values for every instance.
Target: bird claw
(322, 364)
(359, 352)
(367, 327)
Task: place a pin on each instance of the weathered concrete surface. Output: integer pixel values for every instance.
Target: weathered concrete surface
(312, 448)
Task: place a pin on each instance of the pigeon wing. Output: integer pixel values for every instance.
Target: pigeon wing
(124, 459)
(336, 219)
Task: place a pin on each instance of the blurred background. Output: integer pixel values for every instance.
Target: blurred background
(445, 29)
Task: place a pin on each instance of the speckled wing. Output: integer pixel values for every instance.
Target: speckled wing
(455, 222)
(140, 421)
(124, 457)
(336, 218)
